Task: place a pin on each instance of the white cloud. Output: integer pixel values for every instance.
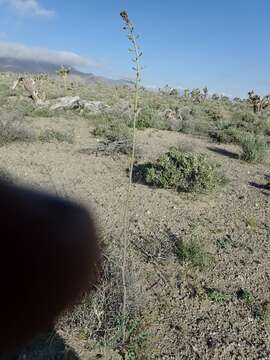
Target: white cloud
(28, 8)
(20, 51)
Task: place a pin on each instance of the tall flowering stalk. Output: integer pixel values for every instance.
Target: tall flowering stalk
(133, 38)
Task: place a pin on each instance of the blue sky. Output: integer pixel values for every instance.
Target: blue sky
(224, 45)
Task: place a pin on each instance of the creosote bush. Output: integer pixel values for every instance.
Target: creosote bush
(253, 148)
(180, 170)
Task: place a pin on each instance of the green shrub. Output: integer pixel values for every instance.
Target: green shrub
(149, 118)
(192, 253)
(195, 126)
(253, 148)
(117, 135)
(113, 131)
(214, 113)
(42, 112)
(180, 170)
(246, 296)
(241, 117)
(225, 136)
(217, 295)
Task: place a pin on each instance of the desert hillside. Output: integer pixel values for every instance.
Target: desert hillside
(199, 237)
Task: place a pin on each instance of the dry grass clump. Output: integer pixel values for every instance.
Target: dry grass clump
(98, 319)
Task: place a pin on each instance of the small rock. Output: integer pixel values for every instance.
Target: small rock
(94, 106)
(67, 103)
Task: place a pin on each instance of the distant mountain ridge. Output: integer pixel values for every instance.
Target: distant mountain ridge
(31, 66)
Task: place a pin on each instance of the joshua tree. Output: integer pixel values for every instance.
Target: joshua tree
(29, 84)
(196, 95)
(236, 99)
(186, 93)
(205, 92)
(215, 97)
(265, 102)
(173, 92)
(255, 100)
(64, 72)
(258, 102)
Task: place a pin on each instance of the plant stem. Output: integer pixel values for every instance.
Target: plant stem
(133, 38)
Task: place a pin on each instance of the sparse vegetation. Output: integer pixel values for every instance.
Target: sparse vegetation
(184, 254)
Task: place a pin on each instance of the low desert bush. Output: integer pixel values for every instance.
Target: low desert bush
(228, 135)
(113, 131)
(214, 113)
(117, 134)
(242, 117)
(217, 296)
(253, 148)
(245, 295)
(150, 118)
(12, 129)
(51, 135)
(192, 253)
(195, 126)
(4, 89)
(42, 112)
(180, 170)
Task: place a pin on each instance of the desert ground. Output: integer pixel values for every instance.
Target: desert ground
(198, 262)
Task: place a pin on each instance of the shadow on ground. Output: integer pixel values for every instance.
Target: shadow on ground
(50, 346)
(261, 187)
(224, 152)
